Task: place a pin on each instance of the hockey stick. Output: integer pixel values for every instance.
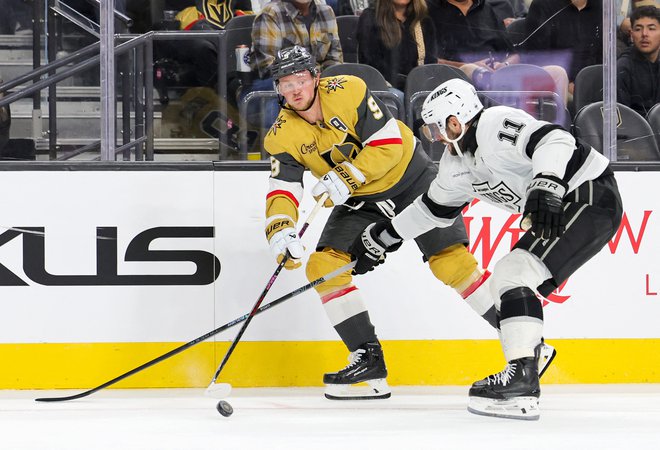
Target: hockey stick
(222, 389)
(204, 337)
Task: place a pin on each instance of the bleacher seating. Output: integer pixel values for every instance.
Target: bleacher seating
(653, 117)
(529, 88)
(422, 80)
(375, 82)
(635, 140)
(348, 37)
(588, 87)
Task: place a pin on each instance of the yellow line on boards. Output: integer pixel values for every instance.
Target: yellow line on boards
(256, 364)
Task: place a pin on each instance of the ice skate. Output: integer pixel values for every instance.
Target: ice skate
(513, 393)
(545, 354)
(363, 378)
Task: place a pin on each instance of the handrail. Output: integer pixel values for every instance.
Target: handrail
(83, 60)
(88, 62)
(118, 15)
(41, 70)
(53, 79)
(77, 18)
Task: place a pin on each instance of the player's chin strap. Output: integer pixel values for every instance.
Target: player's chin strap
(283, 105)
(454, 142)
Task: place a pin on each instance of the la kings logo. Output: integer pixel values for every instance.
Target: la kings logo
(500, 194)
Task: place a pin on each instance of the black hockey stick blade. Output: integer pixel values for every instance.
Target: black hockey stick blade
(202, 338)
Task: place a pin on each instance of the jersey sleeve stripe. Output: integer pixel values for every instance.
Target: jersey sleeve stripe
(390, 130)
(287, 194)
(379, 142)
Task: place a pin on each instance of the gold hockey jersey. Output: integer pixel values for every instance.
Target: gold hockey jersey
(356, 128)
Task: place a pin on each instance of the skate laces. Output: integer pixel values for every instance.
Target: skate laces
(355, 358)
(504, 377)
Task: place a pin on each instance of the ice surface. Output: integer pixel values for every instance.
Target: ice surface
(572, 417)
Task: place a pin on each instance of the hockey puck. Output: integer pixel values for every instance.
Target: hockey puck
(224, 408)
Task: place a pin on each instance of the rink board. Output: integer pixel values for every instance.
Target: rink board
(126, 271)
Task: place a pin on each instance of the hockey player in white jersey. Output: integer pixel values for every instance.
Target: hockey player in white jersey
(570, 205)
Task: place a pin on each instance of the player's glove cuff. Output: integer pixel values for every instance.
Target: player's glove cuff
(370, 247)
(278, 223)
(548, 183)
(340, 183)
(544, 208)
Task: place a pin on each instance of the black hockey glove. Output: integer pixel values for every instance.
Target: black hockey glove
(370, 247)
(545, 206)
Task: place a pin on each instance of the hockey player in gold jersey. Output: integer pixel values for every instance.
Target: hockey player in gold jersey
(372, 167)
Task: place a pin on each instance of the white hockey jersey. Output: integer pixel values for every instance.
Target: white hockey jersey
(501, 155)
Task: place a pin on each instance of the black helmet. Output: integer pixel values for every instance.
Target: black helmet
(292, 60)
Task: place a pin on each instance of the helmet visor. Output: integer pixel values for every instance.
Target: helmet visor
(297, 81)
(434, 132)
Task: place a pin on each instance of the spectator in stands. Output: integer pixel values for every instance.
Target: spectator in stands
(394, 36)
(568, 33)
(470, 35)
(638, 68)
(285, 23)
(473, 38)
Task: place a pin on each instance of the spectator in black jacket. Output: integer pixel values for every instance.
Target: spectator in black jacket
(469, 31)
(638, 68)
(395, 36)
(568, 33)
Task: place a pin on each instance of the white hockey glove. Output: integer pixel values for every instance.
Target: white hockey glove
(282, 237)
(370, 247)
(339, 183)
(545, 206)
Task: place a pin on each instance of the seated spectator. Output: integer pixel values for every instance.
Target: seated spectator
(638, 68)
(286, 23)
(473, 38)
(568, 33)
(469, 31)
(395, 36)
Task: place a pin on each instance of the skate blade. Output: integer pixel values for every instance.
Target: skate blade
(218, 390)
(369, 390)
(521, 408)
(546, 356)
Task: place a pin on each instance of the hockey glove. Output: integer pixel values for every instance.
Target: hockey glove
(370, 247)
(282, 237)
(339, 183)
(545, 207)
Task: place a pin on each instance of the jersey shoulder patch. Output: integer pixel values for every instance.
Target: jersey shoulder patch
(344, 87)
(281, 132)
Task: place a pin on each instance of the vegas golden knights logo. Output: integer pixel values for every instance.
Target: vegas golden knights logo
(218, 13)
